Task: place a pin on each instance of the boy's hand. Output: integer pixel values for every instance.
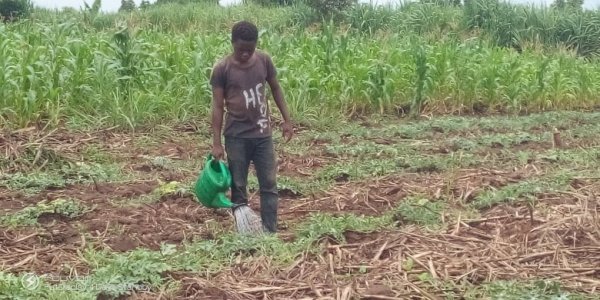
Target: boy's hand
(288, 131)
(218, 152)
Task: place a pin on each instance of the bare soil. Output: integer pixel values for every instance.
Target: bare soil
(503, 244)
(560, 241)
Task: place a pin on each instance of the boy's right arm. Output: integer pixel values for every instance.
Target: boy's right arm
(217, 121)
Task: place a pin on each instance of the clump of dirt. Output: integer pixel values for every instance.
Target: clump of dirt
(50, 217)
(122, 243)
(11, 201)
(299, 166)
(289, 193)
(61, 233)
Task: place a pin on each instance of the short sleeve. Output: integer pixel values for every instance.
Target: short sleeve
(217, 76)
(271, 70)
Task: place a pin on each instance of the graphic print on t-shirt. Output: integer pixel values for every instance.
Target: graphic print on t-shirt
(251, 98)
(244, 87)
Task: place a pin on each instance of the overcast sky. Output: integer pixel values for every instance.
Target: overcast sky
(113, 5)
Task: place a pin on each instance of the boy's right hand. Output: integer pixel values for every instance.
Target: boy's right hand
(218, 152)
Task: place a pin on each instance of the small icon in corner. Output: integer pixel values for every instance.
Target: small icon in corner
(30, 281)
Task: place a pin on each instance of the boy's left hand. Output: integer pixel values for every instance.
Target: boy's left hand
(288, 130)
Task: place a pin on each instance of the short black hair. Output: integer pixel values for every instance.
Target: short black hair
(244, 30)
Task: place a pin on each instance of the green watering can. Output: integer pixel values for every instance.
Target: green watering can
(212, 184)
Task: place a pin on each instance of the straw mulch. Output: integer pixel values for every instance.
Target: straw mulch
(559, 240)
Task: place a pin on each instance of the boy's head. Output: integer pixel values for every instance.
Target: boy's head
(244, 36)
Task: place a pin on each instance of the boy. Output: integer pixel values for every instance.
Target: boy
(238, 84)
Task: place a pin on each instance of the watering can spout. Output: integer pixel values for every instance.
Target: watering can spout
(222, 201)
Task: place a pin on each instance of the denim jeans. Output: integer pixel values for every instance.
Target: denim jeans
(240, 153)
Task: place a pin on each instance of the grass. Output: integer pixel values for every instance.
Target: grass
(29, 215)
(163, 191)
(365, 153)
(420, 211)
(525, 190)
(370, 167)
(512, 290)
(114, 273)
(557, 177)
(78, 173)
(542, 289)
(466, 127)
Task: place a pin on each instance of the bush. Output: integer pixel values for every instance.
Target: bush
(144, 4)
(330, 8)
(159, 2)
(127, 5)
(275, 2)
(14, 9)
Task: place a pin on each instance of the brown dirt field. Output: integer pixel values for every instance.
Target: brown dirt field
(536, 146)
(177, 218)
(498, 246)
(505, 243)
(121, 147)
(373, 198)
(299, 167)
(13, 201)
(171, 220)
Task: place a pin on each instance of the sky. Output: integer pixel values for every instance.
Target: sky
(113, 5)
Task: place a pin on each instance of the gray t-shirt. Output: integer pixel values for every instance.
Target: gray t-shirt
(246, 106)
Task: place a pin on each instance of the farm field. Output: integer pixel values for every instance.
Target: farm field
(438, 154)
(454, 206)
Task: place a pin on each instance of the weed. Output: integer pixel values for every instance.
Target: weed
(420, 211)
(540, 289)
(95, 154)
(11, 287)
(29, 215)
(320, 225)
(114, 274)
(79, 173)
(525, 190)
(33, 182)
(136, 268)
(369, 150)
(165, 190)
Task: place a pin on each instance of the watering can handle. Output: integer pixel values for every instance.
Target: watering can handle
(210, 158)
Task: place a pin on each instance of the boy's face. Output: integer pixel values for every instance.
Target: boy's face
(243, 50)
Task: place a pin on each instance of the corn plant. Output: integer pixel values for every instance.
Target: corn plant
(150, 66)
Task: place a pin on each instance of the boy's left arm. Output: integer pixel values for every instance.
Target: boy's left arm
(288, 130)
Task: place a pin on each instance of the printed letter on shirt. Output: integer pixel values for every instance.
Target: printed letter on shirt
(250, 99)
(263, 123)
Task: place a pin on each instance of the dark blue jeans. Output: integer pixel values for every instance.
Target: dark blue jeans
(240, 153)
